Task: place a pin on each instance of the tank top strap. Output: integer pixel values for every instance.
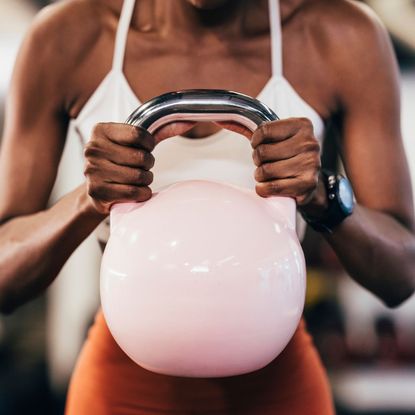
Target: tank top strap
(121, 35)
(276, 37)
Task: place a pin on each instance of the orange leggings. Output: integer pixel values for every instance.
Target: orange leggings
(107, 382)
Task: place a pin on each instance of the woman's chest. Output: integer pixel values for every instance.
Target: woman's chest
(154, 65)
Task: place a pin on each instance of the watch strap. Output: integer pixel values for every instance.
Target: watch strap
(333, 215)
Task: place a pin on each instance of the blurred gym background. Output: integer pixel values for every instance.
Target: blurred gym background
(368, 349)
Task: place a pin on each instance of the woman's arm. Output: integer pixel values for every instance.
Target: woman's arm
(35, 246)
(376, 244)
(34, 241)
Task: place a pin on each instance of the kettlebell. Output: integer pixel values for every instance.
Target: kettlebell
(205, 279)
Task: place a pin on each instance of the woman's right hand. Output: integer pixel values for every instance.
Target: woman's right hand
(118, 162)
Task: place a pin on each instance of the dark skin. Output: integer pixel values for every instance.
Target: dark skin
(336, 55)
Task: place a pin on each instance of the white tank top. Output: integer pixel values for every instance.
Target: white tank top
(224, 156)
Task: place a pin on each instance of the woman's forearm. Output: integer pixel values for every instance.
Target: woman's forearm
(378, 252)
(34, 248)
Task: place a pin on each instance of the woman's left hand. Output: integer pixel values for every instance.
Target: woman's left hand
(287, 156)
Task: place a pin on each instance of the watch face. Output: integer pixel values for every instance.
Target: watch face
(346, 195)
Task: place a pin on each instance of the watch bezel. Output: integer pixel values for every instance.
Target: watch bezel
(337, 210)
(343, 180)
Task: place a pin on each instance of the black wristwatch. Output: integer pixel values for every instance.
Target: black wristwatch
(340, 203)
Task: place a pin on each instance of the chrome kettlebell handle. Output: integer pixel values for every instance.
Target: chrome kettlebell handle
(201, 105)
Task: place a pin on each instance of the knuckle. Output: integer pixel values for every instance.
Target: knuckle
(87, 150)
(91, 150)
(305, 123)
(95, 191)
(267, 129)
(140, 136)
(256, 157)
(311, 145)
(313, 161)
(148, 178)
(311, 180)
(314, 181)
(316, 146)
(97, 130)
(144, 177)
(145, 159)
(102, 130)
(264, 171)
(89, 169)
(139, 158)
(141, 133)
(150, 160)
(258, 175)
(256, 138)
(132, 132)
(267, 169)
(261, 152)
(141, 176)
(317, 160)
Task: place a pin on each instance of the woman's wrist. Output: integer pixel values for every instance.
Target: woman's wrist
(85, 205)
(318, 204)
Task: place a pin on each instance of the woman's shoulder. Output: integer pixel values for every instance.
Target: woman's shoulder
(343, 22)
(350, 40)
(71, 26)
(64, 41)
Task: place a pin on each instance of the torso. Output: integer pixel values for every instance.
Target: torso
(156, 62)
(169, 53)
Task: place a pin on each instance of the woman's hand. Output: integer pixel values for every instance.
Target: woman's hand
(118, 162)
(287, 156)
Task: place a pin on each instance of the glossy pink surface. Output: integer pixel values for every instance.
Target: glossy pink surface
(203, 280)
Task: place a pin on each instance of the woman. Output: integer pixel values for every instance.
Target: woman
(336, 64)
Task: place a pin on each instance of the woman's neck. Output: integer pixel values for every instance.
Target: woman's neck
(178, 18)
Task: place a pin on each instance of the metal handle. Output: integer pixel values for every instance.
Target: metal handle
(201, 105)
(209, 105)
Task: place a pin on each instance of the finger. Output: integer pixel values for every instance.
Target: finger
(112, 173)
(172, 129)
(283, 150)
(291, 187)
(118, 193)
(126, 135)
(117, 154)
(280, 130)
(126, 175)
(128, 156)
(237, 128)
(281, 169)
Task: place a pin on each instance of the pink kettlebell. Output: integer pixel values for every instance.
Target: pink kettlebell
(205, 279)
